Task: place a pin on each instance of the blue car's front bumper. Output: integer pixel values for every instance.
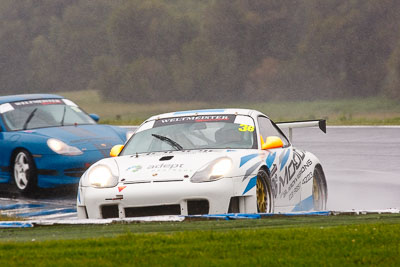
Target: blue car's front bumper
(56, 170)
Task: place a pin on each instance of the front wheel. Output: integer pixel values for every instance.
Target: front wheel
(24, 172)
(319, 189)
(264, 193)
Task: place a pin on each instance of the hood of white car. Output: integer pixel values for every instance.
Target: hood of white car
(178, 165)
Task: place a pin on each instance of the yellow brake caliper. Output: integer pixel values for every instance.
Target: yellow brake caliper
(261, 196)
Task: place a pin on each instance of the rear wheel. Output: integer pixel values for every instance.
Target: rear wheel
(24, 172)
(319, 190)
(264, 193)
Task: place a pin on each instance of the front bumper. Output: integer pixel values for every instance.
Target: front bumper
(57, 170)
(164, 198)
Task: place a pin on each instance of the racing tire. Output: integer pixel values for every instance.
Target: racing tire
(319, 189)
(265, 201)
(24, 172)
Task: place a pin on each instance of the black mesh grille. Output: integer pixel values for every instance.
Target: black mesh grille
(109, 211)
(153, 211)
(234, 205)
(196, 207)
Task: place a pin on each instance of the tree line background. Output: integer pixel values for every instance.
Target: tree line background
(203, 50)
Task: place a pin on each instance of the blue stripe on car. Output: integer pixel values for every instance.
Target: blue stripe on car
(245, 159)
(270, 159)
(285, 159)
(305, 204)
(252, 183)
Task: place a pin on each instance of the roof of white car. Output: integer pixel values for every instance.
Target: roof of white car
(236, 111)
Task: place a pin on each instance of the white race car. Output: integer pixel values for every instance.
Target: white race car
(214, 161)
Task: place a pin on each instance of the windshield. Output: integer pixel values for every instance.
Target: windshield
(193, 132)
(40, 113)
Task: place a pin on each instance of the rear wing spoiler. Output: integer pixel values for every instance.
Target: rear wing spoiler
(301, 124)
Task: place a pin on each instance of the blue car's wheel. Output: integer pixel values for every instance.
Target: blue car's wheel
(24, 172)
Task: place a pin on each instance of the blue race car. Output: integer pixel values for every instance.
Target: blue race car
(48, 141)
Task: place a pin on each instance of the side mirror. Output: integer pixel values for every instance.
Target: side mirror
(271, 142)
(95, 117)
(115, 150)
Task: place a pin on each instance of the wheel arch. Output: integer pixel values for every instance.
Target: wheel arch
(271, 185)
(323, 177)
(265, 168)
(18, 149)
(31, 174)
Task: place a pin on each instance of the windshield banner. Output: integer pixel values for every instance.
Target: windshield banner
(37, 102)
(191, 119)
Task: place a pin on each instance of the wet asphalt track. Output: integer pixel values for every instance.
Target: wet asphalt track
(362, 166)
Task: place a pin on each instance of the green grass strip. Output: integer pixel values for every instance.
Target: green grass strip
(357, 111)
(300, 241)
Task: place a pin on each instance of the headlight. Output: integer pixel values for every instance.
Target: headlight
(214, 170)
(100, 175)
(62, 148)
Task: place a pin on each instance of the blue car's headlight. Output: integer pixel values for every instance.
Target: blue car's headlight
(212, 171)
(62, 148)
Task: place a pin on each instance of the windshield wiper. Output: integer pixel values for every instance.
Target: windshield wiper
(29, 119)
(63, 117)
(168, 140)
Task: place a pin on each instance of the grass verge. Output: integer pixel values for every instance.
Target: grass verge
(332, 240)
(365, 111)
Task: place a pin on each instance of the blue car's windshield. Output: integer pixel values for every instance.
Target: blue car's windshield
(40, 113)
(193, 132)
